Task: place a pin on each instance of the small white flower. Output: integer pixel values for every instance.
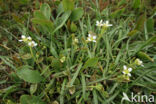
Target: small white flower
(126, 70)
(32, 44)
(99, 23)
(25, 39)
(29, 38)
(91, 38)
(106, 24)
(139, 62)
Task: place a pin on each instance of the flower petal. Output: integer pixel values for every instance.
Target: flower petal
(20, 40)
(88, 39)
(123, 72)
(23, 36)
(29, 38)
(107, 22)
(129, 69)
(94, 37)
(97, 22)
(129, 74)
(124, 67)
(94, 40)
(89, 35)
(101, 21)
(30, 43)
(109, 25)
(35, 44)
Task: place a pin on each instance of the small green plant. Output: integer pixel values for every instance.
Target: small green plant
(77, 52)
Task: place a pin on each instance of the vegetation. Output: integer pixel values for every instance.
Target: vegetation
(76, 51)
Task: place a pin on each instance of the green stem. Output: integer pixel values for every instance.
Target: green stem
(32, 54)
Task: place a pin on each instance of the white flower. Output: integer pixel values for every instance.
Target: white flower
(91, 38)
(32, 44)
(29, 38)
(106, 24)
(126, 70)
(139, 62)
(25, 39)
(99, 23)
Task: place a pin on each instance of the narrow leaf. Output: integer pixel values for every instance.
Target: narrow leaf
(140, 23)
(75, 75)
(150, 25)
(143, 55)
(61, 21)
(83, 86)
(95, 97)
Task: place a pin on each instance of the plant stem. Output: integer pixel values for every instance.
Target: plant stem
(32, 54)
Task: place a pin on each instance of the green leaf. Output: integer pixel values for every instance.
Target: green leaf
(75, 75)
(112, 97)
(61, 21)
(38, 14)
(56, 64)
(9, 90)
(31, 76)
(133, 32)
(91, 63)
(83, 86)
(10, 102)
(146, 43)
(150, 25)
(76, 14)
(117, 13)
(143, 55)
(26, 56)
(136, 3)
(47, 24)
(73, 27)
(60, 8)
(26, 99)
(68, 4)
(121, 2)
(62, 92)
(53, 50)
(46, 10)
(95, 97)
(8, 61)
(140, 23)
(24, 2)
(33, 88)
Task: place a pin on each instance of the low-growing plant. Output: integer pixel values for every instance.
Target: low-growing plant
(65, 54)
